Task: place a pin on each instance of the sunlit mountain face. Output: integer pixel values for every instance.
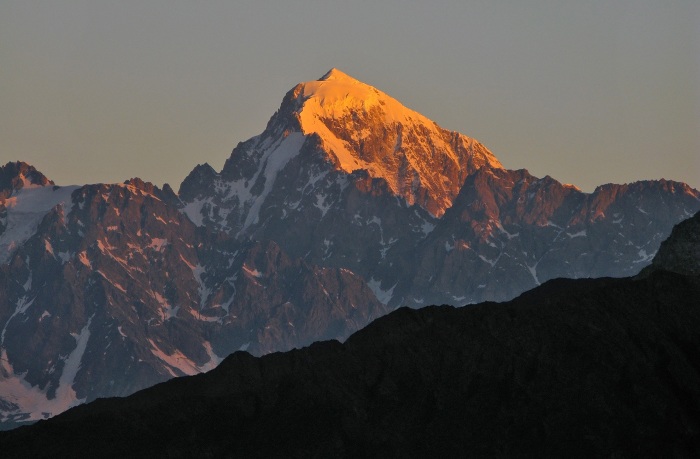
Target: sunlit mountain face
(347, 206)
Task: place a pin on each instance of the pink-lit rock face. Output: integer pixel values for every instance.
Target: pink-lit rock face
(117, 290)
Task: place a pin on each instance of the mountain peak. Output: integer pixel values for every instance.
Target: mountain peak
(354, 127)
(337, 93)
(361, 127)
(17, 175)
(335, 74)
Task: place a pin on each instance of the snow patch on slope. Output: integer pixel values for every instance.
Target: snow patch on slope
(29, 403)
(384, 296)
(179, 362)
(273, 161)
(252, 271)
(25, 209)
(204, 292)
(193, 210)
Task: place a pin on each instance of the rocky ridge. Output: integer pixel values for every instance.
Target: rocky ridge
(110, 295)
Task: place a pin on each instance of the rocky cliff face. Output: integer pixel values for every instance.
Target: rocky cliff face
(509, 231)
(118, 290)
(18, 175)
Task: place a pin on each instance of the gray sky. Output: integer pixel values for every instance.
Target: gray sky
(587, 91)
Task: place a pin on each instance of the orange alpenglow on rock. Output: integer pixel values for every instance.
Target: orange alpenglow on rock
(364, 128)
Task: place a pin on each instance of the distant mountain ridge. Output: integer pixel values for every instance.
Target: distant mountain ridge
(346, 207)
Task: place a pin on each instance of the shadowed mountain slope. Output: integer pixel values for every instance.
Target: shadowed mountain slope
(681, 251)
(604, 367)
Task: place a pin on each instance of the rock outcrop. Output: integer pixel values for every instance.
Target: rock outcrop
(680, 253)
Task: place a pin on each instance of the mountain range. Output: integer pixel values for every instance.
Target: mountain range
(347, 206)
(576, 368)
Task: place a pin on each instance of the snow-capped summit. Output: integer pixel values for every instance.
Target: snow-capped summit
(336, 74)
(341, 125)
(363, 128)
(336, 93)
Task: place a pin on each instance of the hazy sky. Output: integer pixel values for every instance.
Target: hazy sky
(587, 91)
